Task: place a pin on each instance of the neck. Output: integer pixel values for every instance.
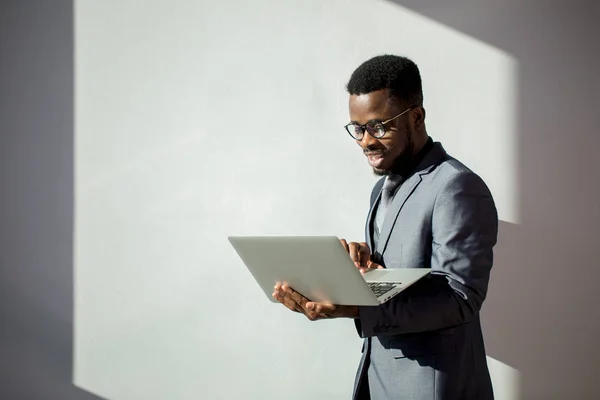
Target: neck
(407, 164)
(420, 141)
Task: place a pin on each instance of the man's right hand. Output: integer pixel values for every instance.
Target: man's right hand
(360, 254)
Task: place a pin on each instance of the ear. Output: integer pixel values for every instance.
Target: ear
(418, 118)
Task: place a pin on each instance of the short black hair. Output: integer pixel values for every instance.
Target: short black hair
(398, 74)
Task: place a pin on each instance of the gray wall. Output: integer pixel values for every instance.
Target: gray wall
(538, 319)
(36, 204)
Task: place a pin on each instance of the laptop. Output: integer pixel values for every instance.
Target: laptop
(319, 268)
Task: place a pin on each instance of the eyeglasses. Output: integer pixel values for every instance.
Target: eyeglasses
(375, 128)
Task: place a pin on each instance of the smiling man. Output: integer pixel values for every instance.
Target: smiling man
(427, 211)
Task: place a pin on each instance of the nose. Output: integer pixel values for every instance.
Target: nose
(367, 141)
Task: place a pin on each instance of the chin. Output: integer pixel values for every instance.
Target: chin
(381, 172)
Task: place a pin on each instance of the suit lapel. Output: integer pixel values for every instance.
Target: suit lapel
(431, 160)
(400, 198)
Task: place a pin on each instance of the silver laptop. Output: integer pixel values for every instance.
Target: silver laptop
(320, 269)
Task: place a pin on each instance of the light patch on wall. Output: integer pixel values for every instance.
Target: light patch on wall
(506, 380)
(198, 120)
(470, 92)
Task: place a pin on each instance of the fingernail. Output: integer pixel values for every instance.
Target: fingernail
(310, 306)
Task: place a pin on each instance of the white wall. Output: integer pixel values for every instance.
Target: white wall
(550, 335)
(198, 120)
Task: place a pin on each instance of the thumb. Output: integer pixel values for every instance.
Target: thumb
(373, 265)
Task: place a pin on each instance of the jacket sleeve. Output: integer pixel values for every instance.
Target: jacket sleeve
(464, 231)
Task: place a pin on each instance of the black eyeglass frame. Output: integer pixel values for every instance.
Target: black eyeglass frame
(373, 125)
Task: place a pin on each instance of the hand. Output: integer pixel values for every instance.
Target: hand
(361, 255)
(312, 310)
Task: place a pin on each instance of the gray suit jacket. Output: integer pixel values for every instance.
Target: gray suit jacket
(426, 343)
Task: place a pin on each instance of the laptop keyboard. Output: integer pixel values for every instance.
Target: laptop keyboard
(381, 288)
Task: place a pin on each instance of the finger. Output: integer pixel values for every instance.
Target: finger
(312, 314)
(365, 254)
(289, 291)
(278, 294)
(324, 310)
(292, 305)
(365, 270)
(295, 296)
(280, 298)
(345, 244)
(283, 297)
(355, 253)
(287, 301)
(301, 302)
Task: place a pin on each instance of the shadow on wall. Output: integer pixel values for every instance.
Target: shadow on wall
(542, 315)
(36, 213)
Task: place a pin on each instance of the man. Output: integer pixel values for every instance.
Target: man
(428, 211)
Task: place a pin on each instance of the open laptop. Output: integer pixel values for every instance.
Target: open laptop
(320, 269)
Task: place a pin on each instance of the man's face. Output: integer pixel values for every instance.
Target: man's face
(396, 146)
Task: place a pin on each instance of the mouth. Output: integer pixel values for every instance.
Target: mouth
(375, 158)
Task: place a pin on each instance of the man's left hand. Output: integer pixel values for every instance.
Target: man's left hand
(312, 310)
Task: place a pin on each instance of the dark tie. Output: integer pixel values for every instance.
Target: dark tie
(390, 186)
